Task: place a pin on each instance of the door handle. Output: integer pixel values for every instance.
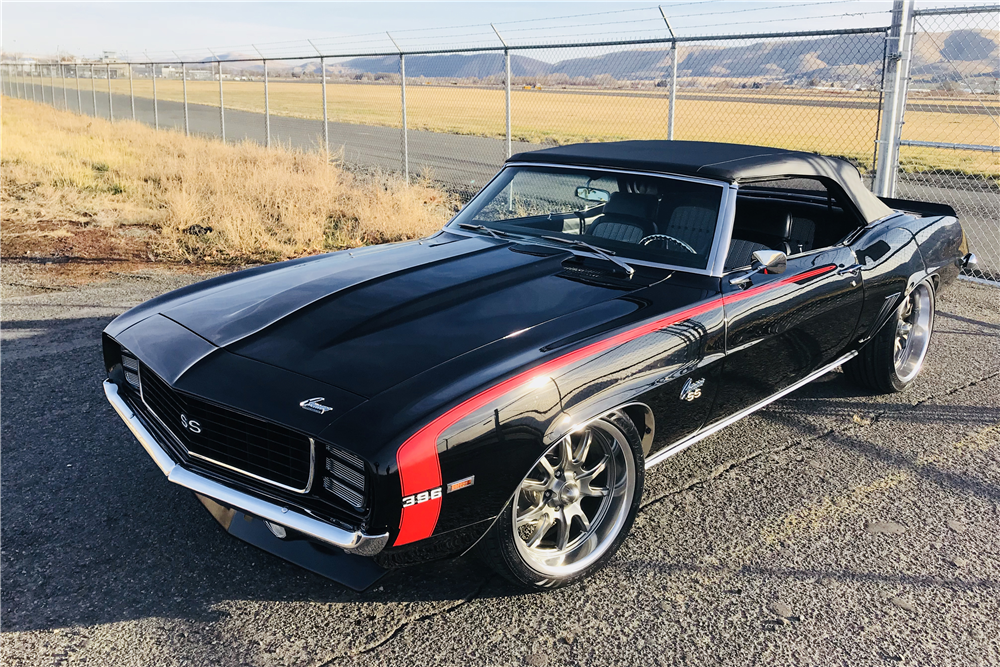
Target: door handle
(854, 270)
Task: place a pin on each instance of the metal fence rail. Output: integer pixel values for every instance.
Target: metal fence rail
(886, 98)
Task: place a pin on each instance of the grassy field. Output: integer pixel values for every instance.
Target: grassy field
(550, 116)
(192, 199)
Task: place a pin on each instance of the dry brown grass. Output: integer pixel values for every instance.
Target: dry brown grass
(62, 173)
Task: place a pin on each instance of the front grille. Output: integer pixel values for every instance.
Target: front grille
(226, 438)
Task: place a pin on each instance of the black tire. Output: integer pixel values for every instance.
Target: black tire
(877, 366)
(505, 549)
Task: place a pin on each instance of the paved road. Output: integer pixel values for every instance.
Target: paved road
(833, 528)
(467, 162)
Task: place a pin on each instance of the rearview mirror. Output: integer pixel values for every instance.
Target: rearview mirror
(593, 194)
(773, 261)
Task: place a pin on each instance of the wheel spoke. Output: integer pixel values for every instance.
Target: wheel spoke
(580, 455)
(532, 514)
(534, 485)
(566, 452)
(547, 467)
(589, 475)
(576, 511)
(592, 491)
(540, 530)
(562, 537)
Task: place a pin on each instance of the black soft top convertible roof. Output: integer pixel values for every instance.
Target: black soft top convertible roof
(724, 162)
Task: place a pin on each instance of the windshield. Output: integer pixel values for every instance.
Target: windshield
(654, 218)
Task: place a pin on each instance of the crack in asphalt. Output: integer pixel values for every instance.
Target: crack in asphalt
(876, 416)
(398, 630)
(726, 466)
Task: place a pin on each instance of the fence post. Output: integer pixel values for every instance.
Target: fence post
(900, 43)
(267, 111)
(405, 149)
(79, 95)
(41, 82)
(506, 57)
(506, 66)
(111, 106)
(93, 87)
(672, 113)
(673, 77)
(156, 108)
(184, 84)
(326, 118)
(52, 82)
(222, 106)
(62, 74)
(32, 71)
(131, 89)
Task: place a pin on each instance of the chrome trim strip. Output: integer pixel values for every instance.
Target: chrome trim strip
(684, 443)
(180, 443)
(721, 221)
(356, 542)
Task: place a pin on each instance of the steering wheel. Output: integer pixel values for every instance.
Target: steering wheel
(656, 237)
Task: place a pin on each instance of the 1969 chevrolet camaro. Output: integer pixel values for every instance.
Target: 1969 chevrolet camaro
(503, 384)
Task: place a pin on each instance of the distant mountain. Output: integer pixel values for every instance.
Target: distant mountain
(849, 58)
(837, 57)
(461, 66)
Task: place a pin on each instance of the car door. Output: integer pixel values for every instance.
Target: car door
(782, 327)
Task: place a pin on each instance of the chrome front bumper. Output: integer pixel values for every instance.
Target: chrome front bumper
(353, 542)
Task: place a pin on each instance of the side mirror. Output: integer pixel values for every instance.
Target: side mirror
(593, 194)
(771, 261)
(774, 261)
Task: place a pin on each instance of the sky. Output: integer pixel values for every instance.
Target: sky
(195, 29)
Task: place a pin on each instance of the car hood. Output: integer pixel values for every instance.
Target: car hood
(364, 321)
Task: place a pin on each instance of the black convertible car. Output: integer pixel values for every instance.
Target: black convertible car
(504, 383)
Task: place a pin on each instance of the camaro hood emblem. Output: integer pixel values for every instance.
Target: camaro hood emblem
(315, 405)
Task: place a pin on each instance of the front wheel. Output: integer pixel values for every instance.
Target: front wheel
(893, 359)
(573, 509)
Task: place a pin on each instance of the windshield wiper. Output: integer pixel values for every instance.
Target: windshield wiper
(483, 228)
(606, 254)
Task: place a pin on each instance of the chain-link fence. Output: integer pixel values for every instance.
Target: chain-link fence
(454, 116)
(949, 149)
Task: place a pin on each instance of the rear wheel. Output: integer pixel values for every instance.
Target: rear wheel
(574, 508)
(893, 359)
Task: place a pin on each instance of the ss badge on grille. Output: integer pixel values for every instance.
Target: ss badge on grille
(190, 424)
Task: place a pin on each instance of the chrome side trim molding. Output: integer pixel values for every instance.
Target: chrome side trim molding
(683, 444)
(355, 542)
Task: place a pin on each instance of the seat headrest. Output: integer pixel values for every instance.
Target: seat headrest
(763, 218)
(631, 204)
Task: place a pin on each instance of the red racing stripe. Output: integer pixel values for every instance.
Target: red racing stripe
(417, 458)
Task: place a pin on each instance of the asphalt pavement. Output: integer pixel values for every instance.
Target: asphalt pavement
(833, 528)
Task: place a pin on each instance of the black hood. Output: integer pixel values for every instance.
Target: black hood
(367, 320)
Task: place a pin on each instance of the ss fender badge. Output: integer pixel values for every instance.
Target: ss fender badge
(691, 389)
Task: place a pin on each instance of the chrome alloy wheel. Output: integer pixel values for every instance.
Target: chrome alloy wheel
(914, 320)
(575, 501)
